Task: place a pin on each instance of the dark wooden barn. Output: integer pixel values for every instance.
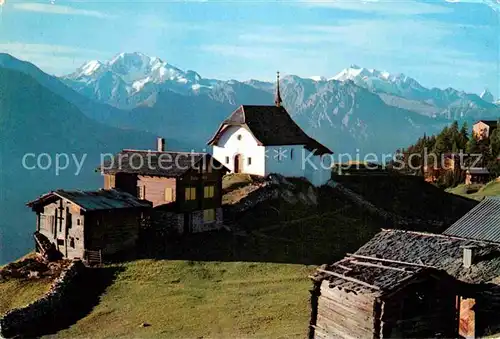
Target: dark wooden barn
(88, 225)
(360, 297)
(474, 264)
(185, 188)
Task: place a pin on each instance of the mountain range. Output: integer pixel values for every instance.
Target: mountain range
(36, 120)
(125, 102)
(355, 109)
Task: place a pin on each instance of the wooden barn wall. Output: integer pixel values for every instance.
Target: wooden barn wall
(155, 188)
(68, 232)
(487, 311)
(112, 231)
(425, 309)
(343, 314)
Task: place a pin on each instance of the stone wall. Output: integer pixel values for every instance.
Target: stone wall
(199, 224)
(175, 221)
(168, 220)
(25, 320)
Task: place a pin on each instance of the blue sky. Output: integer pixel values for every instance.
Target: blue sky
(440, 43)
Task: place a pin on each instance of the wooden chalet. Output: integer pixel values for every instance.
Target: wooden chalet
(362, 297)
(482, 129)
(477, 176)
(87, 225)
(184, 188)
(410, 284)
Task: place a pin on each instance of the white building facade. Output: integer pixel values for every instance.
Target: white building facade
(262, 140)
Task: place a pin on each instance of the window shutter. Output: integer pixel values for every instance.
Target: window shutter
(209, 215)
(169, 194)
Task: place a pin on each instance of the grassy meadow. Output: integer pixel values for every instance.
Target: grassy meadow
(16, 293)
(477, 192)
(185, 299)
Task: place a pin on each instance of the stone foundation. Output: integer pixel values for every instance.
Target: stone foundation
(175, 221)
(199, 224)
(169, 220)
(22, 320)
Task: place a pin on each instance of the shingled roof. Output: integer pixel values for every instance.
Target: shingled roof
(152, 163)
(436, 251)
(93, 200)
(371, 275)
(480, 223)
(271, 126)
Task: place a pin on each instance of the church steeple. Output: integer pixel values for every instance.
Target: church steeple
(277, 98)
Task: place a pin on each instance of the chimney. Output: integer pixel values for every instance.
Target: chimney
(160, 144)
(468, 256)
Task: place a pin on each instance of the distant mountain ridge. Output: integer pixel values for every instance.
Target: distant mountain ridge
(356, 109)
(322, 106)
(130, 79)
(35, 120)
(42, 113)
(133, 79)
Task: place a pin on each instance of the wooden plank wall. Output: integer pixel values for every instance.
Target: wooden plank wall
(112, 231)
(425, 309)
(64, 212)
(155, 188)
(343, 314)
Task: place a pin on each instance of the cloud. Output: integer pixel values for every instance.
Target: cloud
(54, 59)
(384, 7)
(58, 9)
(424, 49)
(494, 4)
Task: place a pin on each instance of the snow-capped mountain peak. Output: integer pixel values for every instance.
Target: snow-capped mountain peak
(379, 81)
(318, 78)
(131, 73)
(487, 96)
(90, 67)
(355, 72)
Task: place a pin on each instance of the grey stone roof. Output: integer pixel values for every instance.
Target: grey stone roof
(153, 163)
(371, 275)
(480, 223)
(437, 251)
(271, 126)
(93, 200)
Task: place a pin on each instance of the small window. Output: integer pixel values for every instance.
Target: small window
(141, 192)
(249, 161)
(291, 154)
(169, 194)
(72, 242)
(190, 193)
(60, 242)
(239, 137)
(227, 160)
(78, 221)
(209, 215)
(209, 191)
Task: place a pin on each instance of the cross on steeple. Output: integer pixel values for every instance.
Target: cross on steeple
(277, 98)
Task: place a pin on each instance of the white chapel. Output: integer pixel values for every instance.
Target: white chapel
(264, 139)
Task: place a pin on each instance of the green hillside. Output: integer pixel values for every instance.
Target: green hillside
(477, 192)
(19, 293)
(249, 283)
(185, 299)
